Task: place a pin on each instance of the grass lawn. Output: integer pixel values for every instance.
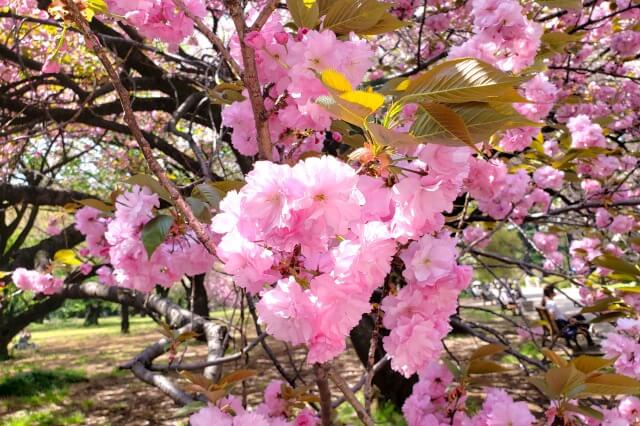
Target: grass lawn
(73, 328)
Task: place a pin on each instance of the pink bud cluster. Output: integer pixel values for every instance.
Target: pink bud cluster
(118, 239)
(272, 412)
(503, 37)
(36, 282)
(288, 66)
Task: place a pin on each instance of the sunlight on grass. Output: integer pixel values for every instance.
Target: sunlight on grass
(73, 328)
(44, 418)
(384, 414)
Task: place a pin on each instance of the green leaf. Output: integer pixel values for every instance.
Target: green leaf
(304, 15)
(488, 350)
(463, 80)
(345, 16)
(480, 119)
(148, 181)
(189, 409)
(616, 264)
(208, 193)
(453, 368)
(155, 232)
(200, 209)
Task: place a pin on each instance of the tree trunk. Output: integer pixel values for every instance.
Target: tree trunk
(199, 296)
(92, 314)
(393, 385)
(124, 319)
(11, 326)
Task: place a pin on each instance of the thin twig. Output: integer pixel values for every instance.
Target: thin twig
(130, 118)
(320, 371)
(350, 396)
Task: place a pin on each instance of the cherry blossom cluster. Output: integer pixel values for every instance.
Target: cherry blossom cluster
(37, 282)
(274, 411)
(542, 95)
(288, 66)
(326, 236)
(623, 345)
(501, 194)
(503, 37)
(435, 401)
(117, 238)
(159, 19)
(548, 245)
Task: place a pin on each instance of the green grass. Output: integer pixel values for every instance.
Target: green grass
(26, 384)
(44, 418)
(384, 414)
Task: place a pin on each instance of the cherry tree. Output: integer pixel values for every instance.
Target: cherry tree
(345, 167)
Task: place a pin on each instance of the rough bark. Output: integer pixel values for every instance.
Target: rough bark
(124, 318)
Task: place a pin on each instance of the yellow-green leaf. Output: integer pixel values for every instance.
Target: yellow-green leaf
(588, 364)
(336, 80)
(345, 16)
(562, 4)
(343, 110)
(612, 384)
(464, 80)
(582, 409)
(483, 366)
(97, 204)
(554, 357)
(386, 24)
(480, 119)
(370, 100)
(304, 13)
(451, 122)
(616, 264)
(388, 137)
(488, 350)
(67, 257)
(237, 376)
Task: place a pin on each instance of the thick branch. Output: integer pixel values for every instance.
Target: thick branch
(14, 194)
